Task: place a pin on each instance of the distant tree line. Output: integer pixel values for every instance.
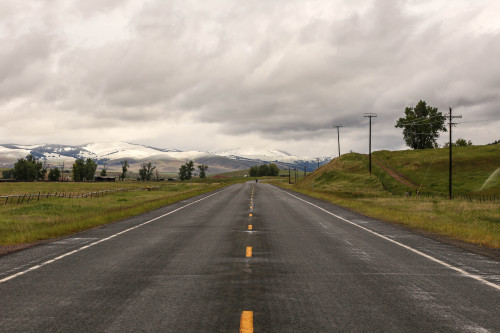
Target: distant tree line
(264, 170)
(459, 143)
(494, 142)
(26, 169)
(31, 169)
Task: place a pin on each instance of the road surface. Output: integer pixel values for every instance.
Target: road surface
(250, 257)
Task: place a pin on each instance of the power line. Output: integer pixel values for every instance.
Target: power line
(419, 121)
(477, 121)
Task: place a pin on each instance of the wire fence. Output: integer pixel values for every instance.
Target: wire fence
(20, 199)
(481, 198)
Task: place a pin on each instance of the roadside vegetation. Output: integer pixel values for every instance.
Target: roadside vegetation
(54, 216)
(345, 181)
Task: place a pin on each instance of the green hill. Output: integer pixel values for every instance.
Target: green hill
(474, 168)
(346, 181)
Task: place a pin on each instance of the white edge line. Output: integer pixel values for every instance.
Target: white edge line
(461, 271)
(104, 239)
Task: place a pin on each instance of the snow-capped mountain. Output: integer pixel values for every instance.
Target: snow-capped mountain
(112, 153)
(252, 153)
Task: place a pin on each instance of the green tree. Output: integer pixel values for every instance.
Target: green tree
(79, 170)
(203, 168)
(273, 170)
(54, 174)
(186, 171)
(7, 174)
(183, 172)
(264, 170)
(421, 126)
(254, 171)
(462, 143)
(84, 170)
(190, 169)
(103, 171)
(90, 168)
(146, 171)
(28, 169)
(124, 169)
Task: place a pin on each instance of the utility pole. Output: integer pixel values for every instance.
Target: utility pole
(450, 117)
(289, 179)
(338, 135)
(370, 115)
(317, 158)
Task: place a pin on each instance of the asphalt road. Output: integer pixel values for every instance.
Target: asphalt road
(314, 267)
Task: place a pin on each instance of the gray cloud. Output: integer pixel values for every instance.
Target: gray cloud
(282, 71)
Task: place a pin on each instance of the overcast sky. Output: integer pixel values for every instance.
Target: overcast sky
(196, 75)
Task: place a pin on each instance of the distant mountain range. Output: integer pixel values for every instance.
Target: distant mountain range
(166, 160)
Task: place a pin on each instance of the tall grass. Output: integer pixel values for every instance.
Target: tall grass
(54, 217)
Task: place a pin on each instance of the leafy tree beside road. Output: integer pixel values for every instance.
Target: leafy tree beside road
(421, 126)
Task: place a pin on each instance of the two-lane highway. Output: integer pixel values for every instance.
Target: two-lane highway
(249, 257)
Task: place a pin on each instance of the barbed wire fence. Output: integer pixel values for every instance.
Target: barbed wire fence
(20, 199)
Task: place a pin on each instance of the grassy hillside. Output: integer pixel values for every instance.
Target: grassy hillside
(472, 166)
(346, 176)
(346, 181)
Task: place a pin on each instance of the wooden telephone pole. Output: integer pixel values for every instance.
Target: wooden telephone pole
(370, 115)
(450, 117)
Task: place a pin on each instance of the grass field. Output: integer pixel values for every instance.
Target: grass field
(346, 181)
(472, 167)
(54, 217)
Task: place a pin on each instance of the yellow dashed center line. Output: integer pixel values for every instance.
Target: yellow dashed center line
(250, 227)
(246, 322)
(250, 214)
(249, 251)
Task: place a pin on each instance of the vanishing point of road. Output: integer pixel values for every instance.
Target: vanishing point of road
(249, 258)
